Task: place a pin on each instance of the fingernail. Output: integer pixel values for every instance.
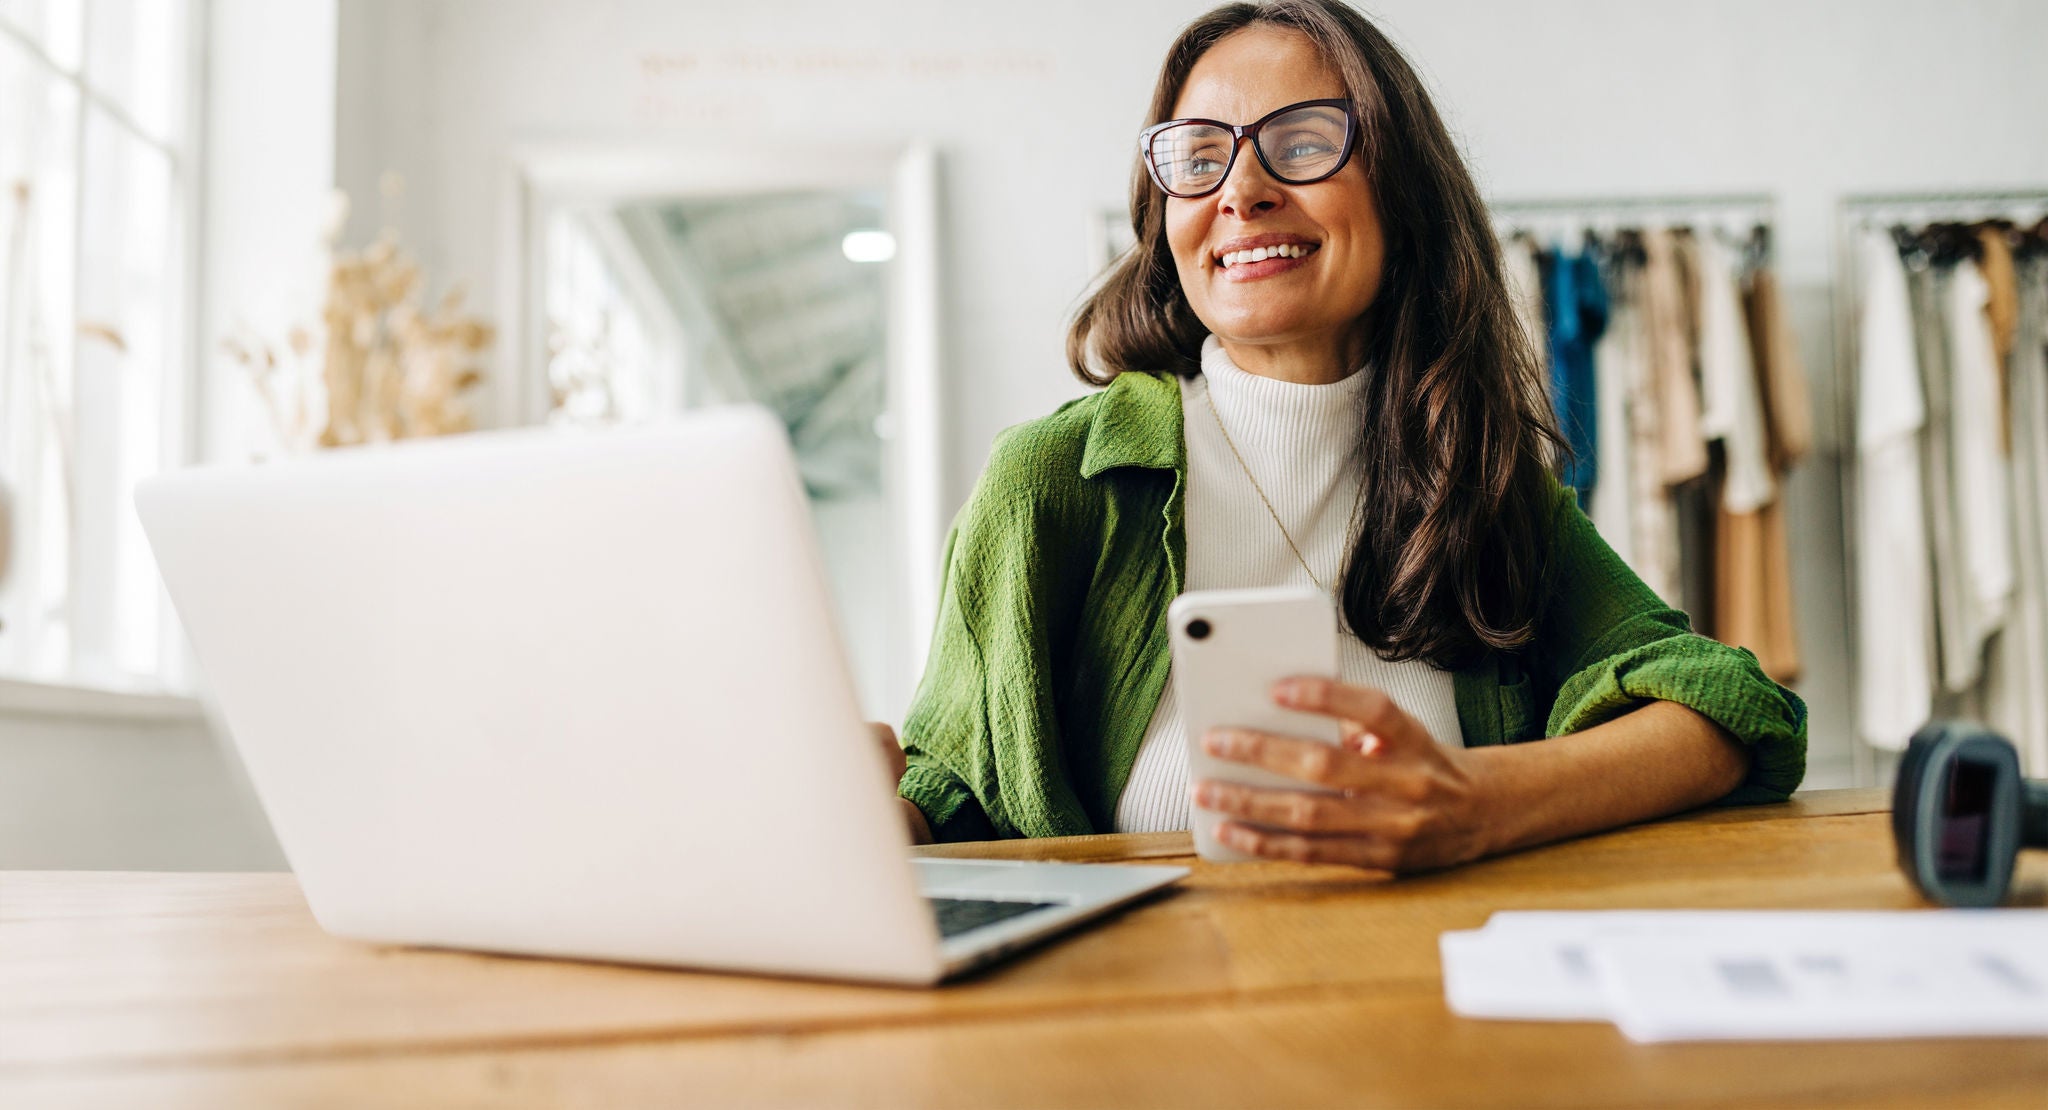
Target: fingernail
(1287, 691)
(1231, 743)
(1200, 793)
(1216, 741)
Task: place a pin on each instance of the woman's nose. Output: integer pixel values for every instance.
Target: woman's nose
(1248, 189)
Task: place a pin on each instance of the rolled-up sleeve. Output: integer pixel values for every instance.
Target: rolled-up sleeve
(948, 806)
(1610, 645)
(982, 735)
(945, 735)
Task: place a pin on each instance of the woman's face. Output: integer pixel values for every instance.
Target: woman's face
(1300, 310)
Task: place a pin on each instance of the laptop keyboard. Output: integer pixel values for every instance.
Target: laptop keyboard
(958, 915)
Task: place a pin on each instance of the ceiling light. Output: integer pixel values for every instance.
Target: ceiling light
(868, 246)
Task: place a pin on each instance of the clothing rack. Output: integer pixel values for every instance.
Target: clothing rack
(2021, 206)
(1553, 217)
(1854, 213)
(1658, 531)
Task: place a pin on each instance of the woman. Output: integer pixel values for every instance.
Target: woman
(1313, 375)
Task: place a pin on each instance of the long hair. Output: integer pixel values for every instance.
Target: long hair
(1458, 431)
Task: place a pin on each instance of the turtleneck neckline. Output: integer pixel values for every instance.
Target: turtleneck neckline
(1270, 414)
(1228, 378)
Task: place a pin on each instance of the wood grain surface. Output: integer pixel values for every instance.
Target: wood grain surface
(1251, 984)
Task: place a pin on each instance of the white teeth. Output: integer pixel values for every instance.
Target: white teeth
(1260, 254)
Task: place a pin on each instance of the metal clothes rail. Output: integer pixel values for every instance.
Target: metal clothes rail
(1555, 216)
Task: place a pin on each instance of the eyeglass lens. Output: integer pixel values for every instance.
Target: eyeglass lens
(1304, 145)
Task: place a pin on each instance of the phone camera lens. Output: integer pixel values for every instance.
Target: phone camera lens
(1198, 629)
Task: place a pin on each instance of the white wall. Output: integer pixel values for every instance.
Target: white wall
(124, 787)
(269, 172)
(1804, 99)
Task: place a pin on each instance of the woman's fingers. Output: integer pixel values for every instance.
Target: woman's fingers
(1351, 851)
(1301, 811)
(1307, 760)
(1326, 764)
(886, 743)
(1367, 708)
(1392, 800)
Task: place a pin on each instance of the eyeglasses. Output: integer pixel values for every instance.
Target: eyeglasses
(1300, 144)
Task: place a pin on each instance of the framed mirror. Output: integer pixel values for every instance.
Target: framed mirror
(652, 280)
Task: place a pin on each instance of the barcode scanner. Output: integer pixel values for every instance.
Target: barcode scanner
(1961, 813)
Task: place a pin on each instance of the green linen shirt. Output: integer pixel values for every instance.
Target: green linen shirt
(1050, 651)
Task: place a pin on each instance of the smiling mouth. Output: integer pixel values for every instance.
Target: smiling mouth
(1234, 259)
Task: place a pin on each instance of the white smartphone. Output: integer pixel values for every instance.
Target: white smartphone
(1229, 648)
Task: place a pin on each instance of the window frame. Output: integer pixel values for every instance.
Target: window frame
(179, 411)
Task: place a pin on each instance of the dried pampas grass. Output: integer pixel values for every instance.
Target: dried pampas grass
(381, 365)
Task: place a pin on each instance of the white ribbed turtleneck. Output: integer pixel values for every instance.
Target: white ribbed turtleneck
(1300, 442)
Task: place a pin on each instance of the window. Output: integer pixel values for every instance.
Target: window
(97, 198)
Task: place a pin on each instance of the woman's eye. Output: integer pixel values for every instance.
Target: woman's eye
(1305, 150)
(1196, 167)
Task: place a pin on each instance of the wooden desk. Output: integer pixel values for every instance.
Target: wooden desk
(1253, 985)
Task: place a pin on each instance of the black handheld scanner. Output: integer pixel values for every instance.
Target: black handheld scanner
(1961, 813)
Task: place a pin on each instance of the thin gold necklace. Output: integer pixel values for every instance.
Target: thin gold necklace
(1208, 394)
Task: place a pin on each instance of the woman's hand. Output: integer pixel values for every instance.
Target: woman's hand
(1404, 802)
(896, 762)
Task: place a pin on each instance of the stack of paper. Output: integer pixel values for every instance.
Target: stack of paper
(1739, 975)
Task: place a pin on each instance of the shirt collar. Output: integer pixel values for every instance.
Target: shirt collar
(1137, 423)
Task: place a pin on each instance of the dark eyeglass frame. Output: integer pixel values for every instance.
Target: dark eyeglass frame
(1241, 132)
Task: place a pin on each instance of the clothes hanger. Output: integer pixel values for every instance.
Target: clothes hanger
(1629, 243)
(1914, 251)
(1951, 242)
(2034, 239)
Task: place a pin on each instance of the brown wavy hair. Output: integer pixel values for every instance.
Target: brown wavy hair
(1458, 426)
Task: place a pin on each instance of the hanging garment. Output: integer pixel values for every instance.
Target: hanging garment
(2030, 361)
(1696, 504)
(1520, 262)
(1525, 294)
(1730, 409)
(1753, 561)
(1753, 588)
(1665, 443)
(1788, 403)
(2016, 695)
(1982, 478)
(1576, 301)
(1668, 316)
(1894, 596)
(1958, 667)
(2003, 301)
(2002, 307)
(1620, 365)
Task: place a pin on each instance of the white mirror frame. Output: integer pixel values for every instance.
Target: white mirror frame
(540, 177)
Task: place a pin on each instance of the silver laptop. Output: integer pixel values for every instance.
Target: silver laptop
(575, 694)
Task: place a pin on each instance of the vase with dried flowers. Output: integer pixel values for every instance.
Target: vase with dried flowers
(381, 364)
